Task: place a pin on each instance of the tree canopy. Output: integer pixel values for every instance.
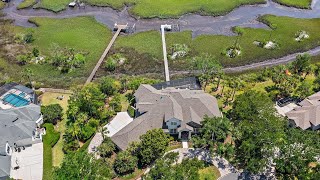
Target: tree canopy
(81, 165)
(152, 146)
(213, 133)
(125, 163)
(258, 130)
(52, 113)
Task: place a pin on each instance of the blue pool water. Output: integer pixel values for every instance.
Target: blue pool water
(15, 100)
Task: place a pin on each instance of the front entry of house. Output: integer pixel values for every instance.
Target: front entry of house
(184, 135)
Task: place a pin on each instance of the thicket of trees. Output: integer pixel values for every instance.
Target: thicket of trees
(165, 168)
(259, 139)
(81, 165)
(252, 135)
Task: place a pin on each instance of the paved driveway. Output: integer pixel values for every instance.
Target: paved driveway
(30, 162)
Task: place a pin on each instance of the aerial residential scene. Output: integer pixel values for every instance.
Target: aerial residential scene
(160, 89)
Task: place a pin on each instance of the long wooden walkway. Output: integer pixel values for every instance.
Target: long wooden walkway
(95, 69)
(164, 49)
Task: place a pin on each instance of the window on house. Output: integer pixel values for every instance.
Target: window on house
(173, 123)
(173, 131)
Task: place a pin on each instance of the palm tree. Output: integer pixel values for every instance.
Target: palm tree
(208, 66)
(29, 73)
(220, 76)
(224, 83)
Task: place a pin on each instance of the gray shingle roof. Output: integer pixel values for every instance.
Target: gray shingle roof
(159, 106)
(17, 125)
(5, 164)
(308, 113)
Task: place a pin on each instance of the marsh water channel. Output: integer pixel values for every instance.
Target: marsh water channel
(245, 16)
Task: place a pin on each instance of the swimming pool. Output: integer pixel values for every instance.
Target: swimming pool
(15, 100)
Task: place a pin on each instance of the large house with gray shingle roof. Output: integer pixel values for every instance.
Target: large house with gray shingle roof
(307, 114)
(177, 111)
(19, 128)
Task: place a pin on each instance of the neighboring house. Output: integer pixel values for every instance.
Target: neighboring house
(19, 128)
(307, 114)
(178, 112)
(15, 95)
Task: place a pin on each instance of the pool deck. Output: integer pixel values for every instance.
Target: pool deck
(30, 162)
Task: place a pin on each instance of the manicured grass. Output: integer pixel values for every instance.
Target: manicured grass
(51, 98)
(49, 140)
(304, 4)
(209, 173)
(175, 146)
(26, 4)
(137, 173)
(81, 33)
(284, 34)
(175, 8)
(54, 5)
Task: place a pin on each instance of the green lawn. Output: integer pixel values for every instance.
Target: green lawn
(304, 4)
(209, 173)
(49, 140)
(26, 4)
(175, 8)
(51, 98)
(150, 42)
(53, 5)
(80, 33)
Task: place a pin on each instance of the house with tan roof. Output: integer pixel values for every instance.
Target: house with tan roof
(307, 114)
(177, 111)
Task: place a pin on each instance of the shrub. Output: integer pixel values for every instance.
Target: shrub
(28, 38)
(109, 86)
(35, 52)
(125, 163)
(52, 113)
(131, 111)
(115, 103)
(106, 148)
(110, 65)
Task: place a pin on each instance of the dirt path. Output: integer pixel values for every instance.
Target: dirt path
(267, 63)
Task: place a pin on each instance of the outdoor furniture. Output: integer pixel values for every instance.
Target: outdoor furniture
(60, 97)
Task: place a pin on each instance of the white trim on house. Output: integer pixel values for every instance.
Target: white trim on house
(8, 149)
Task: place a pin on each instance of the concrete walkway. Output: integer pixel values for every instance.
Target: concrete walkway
(185, 145)
(95, 142)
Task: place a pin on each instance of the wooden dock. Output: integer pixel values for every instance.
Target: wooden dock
(164, 48)
(95, 69)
